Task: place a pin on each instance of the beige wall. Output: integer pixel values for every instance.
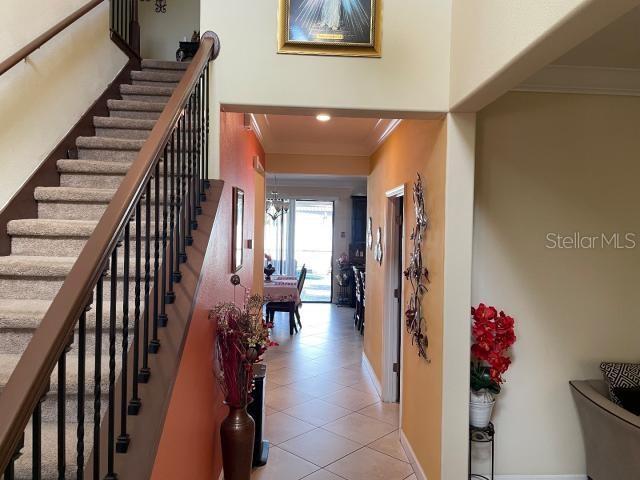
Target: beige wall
(161, 32)
(412, 75)
(496, 44)
(317, 164)
(415, 146)
(556, 163)
(41, 99)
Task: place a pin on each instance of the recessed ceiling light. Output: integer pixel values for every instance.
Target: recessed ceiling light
(323, 117)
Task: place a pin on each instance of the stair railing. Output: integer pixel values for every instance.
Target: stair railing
(144, 232)
(124, 25)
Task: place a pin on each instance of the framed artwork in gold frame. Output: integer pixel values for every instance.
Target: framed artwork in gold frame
(349, 28)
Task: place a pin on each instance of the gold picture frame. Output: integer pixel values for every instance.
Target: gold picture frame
(341, 38)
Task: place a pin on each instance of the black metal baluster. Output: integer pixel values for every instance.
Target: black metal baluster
(145, 371)
(207, 184)
(177, 276)
(62, 410)
(184, 194)
(193, 162)
(198, 142)
(97, 380)
(123, 439)
(82, 354)
(36, 432)
(189, 159)
(203, 196)
(111, 418)
(171, 296)
(135, 403)
(162, 317)
(9, 473)
(154, 345)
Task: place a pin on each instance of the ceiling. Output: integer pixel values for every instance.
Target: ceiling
(304, 134)
(615, 46)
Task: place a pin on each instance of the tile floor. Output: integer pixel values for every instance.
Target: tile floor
(325, 420)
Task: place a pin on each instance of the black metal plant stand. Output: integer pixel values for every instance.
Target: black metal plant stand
(482, 435)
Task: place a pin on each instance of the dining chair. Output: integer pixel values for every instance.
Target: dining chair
(289, 307)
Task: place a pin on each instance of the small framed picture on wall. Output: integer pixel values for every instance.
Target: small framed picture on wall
(238, 231)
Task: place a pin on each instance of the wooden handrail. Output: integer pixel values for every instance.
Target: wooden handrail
(32, 46)
(31, 376)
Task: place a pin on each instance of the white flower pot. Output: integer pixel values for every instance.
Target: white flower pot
(480, 413)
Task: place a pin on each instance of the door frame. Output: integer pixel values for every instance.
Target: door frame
(392, 339)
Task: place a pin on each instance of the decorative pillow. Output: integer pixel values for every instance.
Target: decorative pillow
(630, 398)
(620, 375)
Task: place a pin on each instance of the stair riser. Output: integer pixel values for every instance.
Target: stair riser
(46, 288)
(107, 155)
(127, 133)
(135, 114)
(78, 180)
(79, 211)
(151, 83)
(145, 98)
(162, 70)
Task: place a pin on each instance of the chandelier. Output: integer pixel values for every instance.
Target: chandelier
(276, 206)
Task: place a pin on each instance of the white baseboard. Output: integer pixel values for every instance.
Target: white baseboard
(541, 477)
(372, 374)
(417, 468)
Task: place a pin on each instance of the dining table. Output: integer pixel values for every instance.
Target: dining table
(282, 288)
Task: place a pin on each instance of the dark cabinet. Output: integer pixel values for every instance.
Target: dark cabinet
(358, 230)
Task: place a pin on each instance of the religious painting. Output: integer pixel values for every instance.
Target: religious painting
(330, 27)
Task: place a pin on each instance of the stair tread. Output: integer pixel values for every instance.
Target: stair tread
(35, 266)
(26, 314)
(135, 105)
(168, 76)
(50, 228)
(127, 89)
(45, 227)
(73, 194)
(109, 143)
(164, 64)
(123, 123)
(92, 166)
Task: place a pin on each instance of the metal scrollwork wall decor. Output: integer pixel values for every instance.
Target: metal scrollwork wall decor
(417, 274)
(161, 6)
(378, 251)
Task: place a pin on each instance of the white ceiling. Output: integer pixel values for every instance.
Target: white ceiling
(615, 46)
(303, 134)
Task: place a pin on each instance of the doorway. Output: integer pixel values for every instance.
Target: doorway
(313, 248)
(393, 296)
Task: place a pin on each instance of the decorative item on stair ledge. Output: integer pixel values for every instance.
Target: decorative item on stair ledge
(493, 335)
(242, 337)
(417, 274)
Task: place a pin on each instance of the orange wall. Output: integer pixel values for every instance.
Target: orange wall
(415, 146)
(190, 442)
(318, 164)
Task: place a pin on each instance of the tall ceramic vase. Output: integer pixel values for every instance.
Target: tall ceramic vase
(237, 434)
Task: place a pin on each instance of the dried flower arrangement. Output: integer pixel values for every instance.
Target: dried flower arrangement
(242, 338)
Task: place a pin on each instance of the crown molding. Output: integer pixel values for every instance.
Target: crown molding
(583, 80)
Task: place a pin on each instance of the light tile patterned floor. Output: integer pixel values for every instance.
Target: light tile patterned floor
(325, 420)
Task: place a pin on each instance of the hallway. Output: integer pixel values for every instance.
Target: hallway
(325, 420)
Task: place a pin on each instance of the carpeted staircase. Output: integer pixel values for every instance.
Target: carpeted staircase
(44, 249)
